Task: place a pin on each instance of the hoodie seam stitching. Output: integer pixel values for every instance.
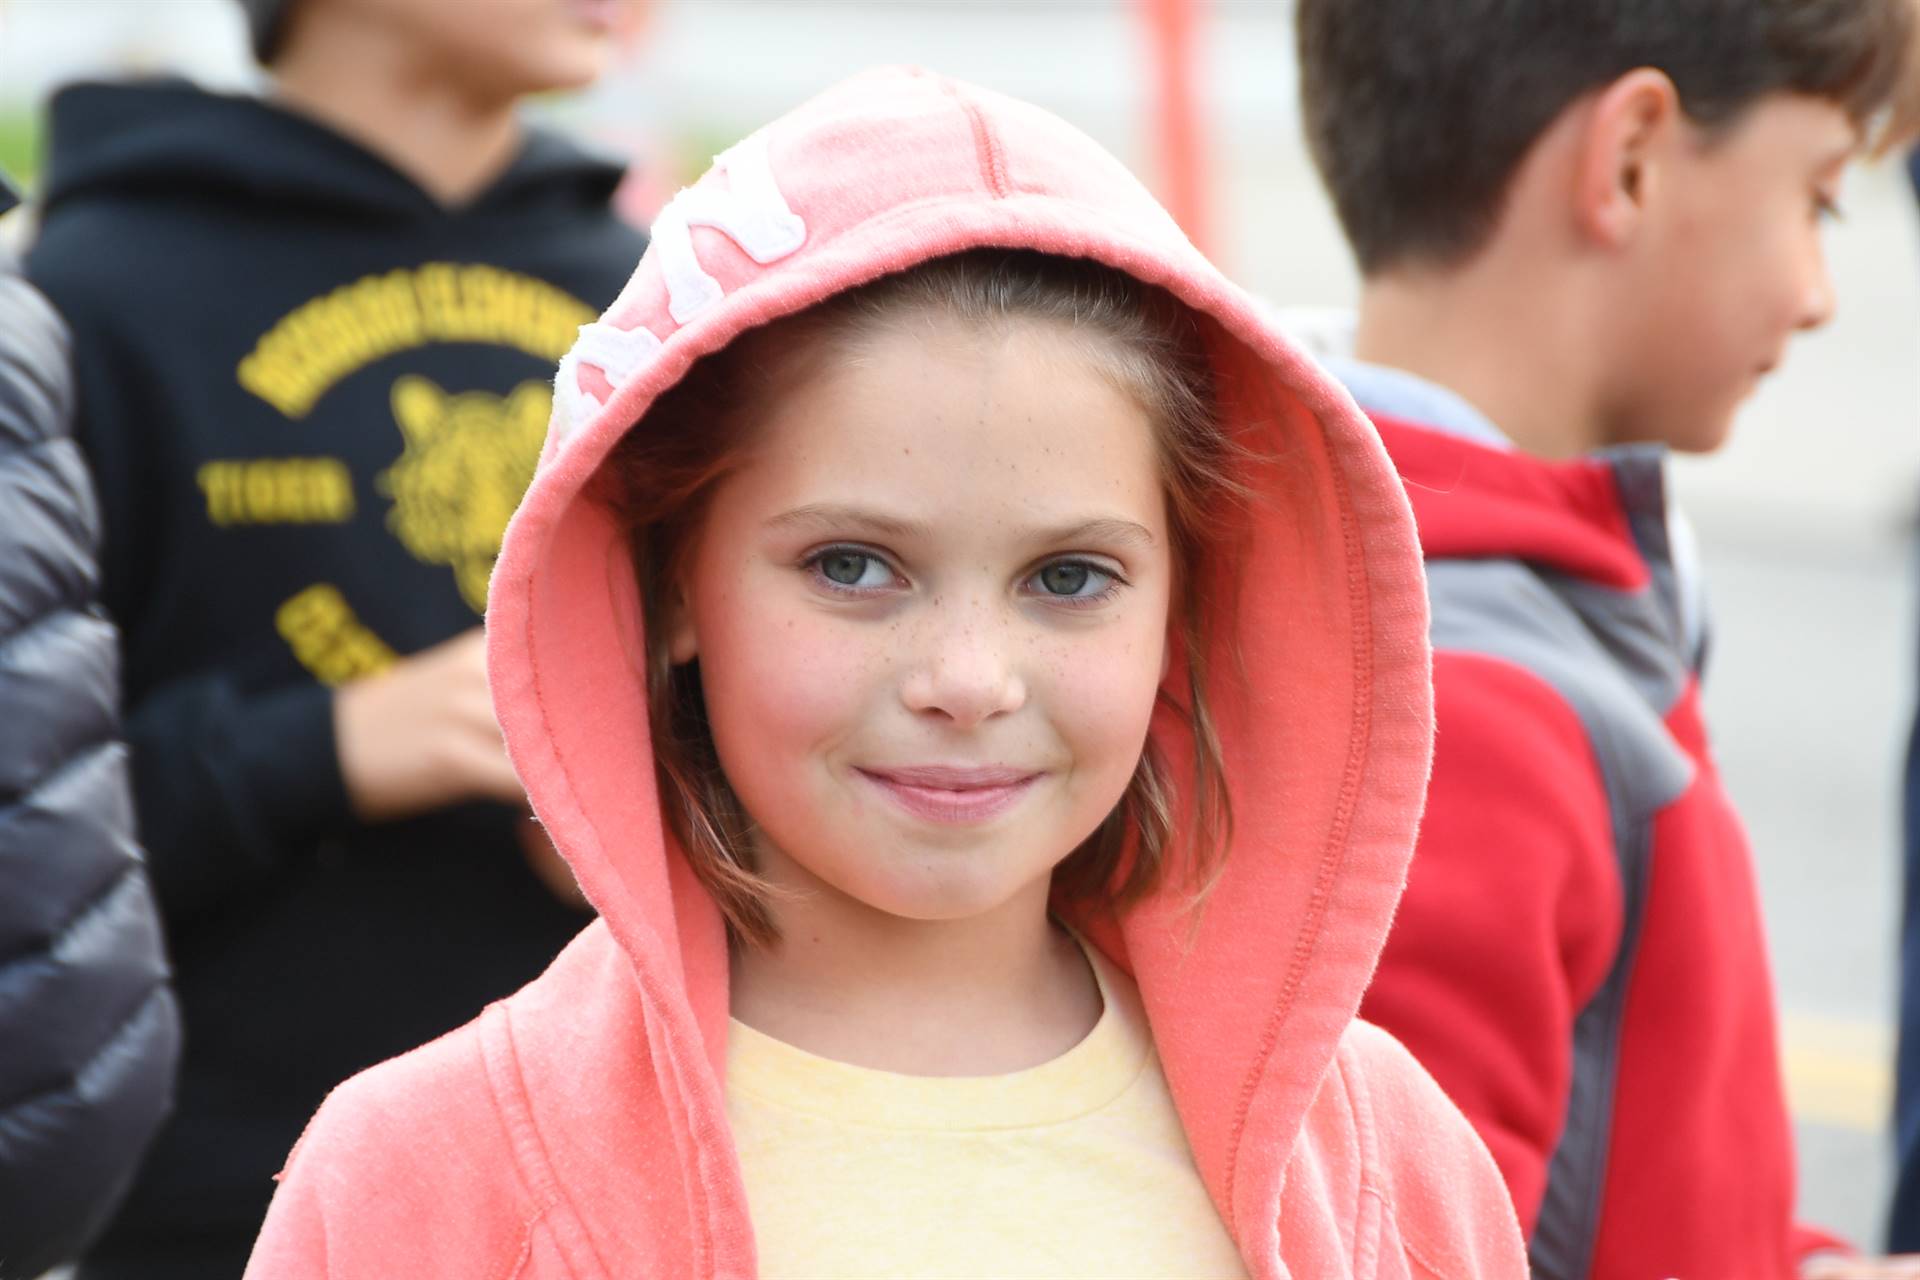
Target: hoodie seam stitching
(697, 1166)
(523, 1130)
(514, 1120)
(524, 1253)
(1407, 1246)
(1322, 894)
(1414, 1251)
(993, 167)
(1360, 1109)
(698, 1207)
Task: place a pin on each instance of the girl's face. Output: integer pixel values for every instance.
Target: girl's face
(930, 612)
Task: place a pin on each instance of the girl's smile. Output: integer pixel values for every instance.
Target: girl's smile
(953, 794)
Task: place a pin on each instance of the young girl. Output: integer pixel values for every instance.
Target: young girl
(979, 672)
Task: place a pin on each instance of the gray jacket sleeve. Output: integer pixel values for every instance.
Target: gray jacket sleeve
(89, 1032)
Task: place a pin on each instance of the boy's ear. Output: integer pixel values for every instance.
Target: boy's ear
(1629, 133)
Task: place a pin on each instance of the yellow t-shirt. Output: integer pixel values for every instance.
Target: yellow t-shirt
(1077, 1167)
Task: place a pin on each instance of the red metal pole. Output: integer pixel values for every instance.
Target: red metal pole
(1176, 126)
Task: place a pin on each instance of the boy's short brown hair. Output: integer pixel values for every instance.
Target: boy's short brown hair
(1418, 112)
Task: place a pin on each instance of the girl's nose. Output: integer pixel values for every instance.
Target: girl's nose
(965, 672)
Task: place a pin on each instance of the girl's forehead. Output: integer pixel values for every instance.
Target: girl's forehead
(955, 396)
(1012, 424)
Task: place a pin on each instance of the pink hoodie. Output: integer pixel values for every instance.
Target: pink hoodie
(578, 1128)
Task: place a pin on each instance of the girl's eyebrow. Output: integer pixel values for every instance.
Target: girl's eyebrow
(1105, 531)
(829, 516)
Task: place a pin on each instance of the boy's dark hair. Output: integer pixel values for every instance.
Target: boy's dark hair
(1418, 112)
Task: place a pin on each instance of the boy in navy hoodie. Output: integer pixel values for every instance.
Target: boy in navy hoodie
(314, 340)
(1585, 233)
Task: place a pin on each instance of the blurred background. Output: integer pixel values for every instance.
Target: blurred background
(1806, 520)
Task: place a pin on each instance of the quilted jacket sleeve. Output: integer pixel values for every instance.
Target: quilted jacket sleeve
(89, 1031)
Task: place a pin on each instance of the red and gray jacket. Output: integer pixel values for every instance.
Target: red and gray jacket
(1579, 958)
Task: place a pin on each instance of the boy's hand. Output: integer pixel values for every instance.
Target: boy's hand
(1840, 1266)
(421, 735)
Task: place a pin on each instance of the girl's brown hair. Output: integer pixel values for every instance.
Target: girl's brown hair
(665, 468)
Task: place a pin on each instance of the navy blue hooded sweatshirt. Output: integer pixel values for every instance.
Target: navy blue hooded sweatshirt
(311, 396)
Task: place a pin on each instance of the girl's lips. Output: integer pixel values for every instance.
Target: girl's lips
(955, 796)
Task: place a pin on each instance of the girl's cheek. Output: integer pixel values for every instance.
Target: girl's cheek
(792, 672)
(1104, 683)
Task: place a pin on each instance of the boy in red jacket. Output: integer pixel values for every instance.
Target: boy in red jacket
(1586, 231)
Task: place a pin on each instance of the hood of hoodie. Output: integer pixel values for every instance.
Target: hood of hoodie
(167, 139)
(1326, 729)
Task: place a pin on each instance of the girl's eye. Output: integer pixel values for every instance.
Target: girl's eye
(1074, 580)
(1827, 207)
(852, 569)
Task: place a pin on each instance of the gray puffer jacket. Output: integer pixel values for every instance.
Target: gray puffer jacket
(89, 1032)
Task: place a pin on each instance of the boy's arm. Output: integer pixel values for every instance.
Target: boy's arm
(1511, 916)
(229, 787)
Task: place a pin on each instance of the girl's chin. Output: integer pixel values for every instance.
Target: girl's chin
(950, 895)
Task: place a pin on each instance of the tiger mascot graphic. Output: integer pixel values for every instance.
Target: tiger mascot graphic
(469, 457)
